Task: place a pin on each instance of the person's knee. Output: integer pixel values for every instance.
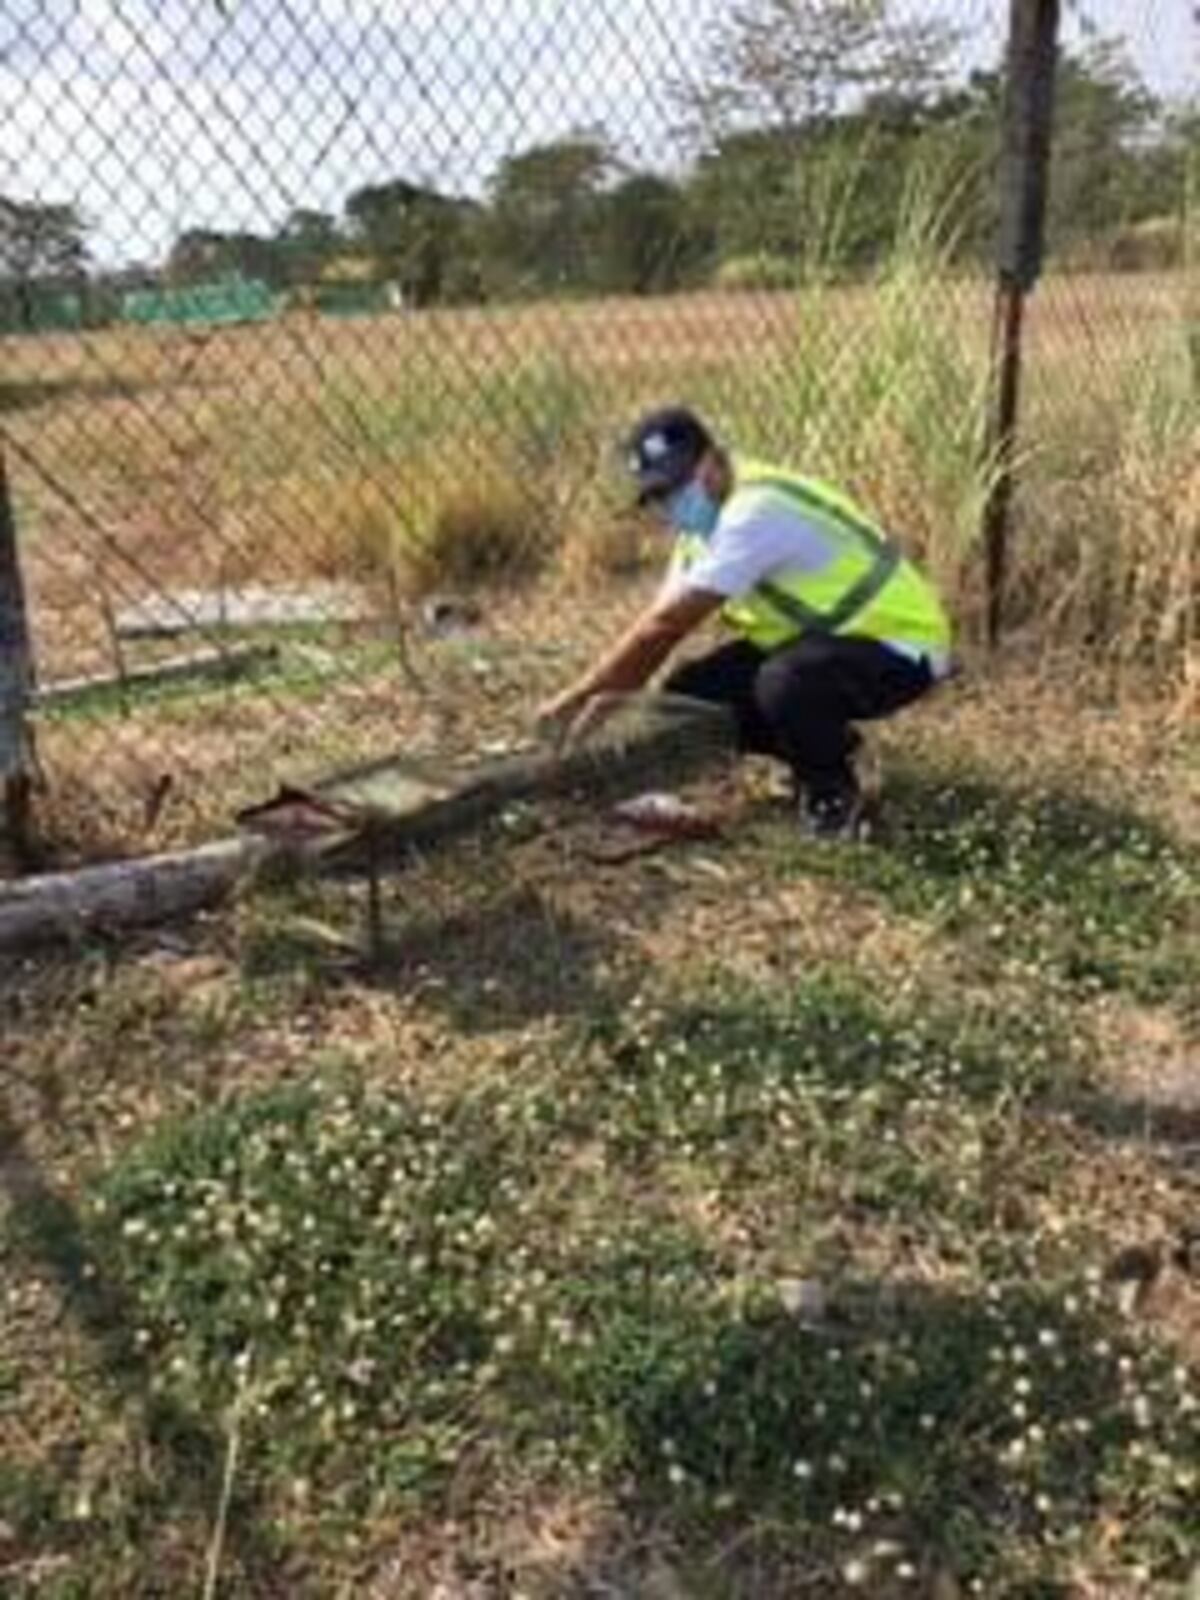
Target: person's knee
(723, 675)
(778, 688)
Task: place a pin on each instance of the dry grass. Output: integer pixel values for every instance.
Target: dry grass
(442, 450)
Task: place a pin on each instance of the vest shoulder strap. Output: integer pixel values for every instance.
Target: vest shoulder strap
(885, 554)
(809, 498)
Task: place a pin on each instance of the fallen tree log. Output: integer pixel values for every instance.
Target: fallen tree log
(385, 809)
(61, 907)
(361, 820)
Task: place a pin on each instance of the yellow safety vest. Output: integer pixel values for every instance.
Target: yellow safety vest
(869, 591)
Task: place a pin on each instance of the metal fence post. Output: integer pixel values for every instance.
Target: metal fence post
(16, 681)
(1024, 175)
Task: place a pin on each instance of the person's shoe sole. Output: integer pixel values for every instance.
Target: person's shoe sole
(854, 826)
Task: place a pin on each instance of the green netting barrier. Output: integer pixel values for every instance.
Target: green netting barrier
(237, 300)
(38, 310)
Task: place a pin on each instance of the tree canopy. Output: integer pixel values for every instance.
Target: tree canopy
(46, 242)
(805, 127)
(791, 63)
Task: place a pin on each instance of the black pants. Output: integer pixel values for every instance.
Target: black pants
(798, 703)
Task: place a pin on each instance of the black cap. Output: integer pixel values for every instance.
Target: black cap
(664, 449)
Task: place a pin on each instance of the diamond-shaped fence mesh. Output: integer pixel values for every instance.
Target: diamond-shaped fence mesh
(313, 313)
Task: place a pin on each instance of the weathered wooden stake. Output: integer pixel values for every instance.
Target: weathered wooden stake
(16, 685)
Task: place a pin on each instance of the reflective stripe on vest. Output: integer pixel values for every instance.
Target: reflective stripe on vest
(886, 557)
(868, 587)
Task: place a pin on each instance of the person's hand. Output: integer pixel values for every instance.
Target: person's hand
(594, 711)
(554, 718)
(570, 717)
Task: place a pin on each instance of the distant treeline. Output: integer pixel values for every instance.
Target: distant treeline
(780, 186)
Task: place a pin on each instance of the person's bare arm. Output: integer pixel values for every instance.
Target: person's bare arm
(638, 653)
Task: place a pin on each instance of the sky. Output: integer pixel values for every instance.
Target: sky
(158, 115)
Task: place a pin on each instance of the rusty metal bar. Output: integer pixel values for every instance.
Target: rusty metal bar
(1024, 186)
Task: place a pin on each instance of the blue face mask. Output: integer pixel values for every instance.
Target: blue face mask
(693, 510)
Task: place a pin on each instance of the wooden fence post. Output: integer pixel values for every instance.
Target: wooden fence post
(16, 684)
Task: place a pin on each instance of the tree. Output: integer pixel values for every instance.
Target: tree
(1105, 126)
(40, 246)
(43, 242)
(307, 242)
(205, 255)
(644, 243)
(742, 194)
(785, 64)
(545, 215)
(828, 197)
(416, 237)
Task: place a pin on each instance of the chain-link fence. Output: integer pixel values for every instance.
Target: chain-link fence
(318, 323)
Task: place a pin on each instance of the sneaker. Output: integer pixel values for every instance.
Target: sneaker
(833, 814)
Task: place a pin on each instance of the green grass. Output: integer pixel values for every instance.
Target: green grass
(1094, 896)
(382, 1287)
(520, 1219)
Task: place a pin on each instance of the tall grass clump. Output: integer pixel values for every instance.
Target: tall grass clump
(1125, 580)
(884, 389)
(555, 425)
(1111, 565)
(482, 487)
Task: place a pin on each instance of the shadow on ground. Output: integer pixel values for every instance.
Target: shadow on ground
(1093, 894)
(516, 959)
(763, 1458)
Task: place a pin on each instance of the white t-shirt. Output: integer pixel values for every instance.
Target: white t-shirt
(759, 536)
